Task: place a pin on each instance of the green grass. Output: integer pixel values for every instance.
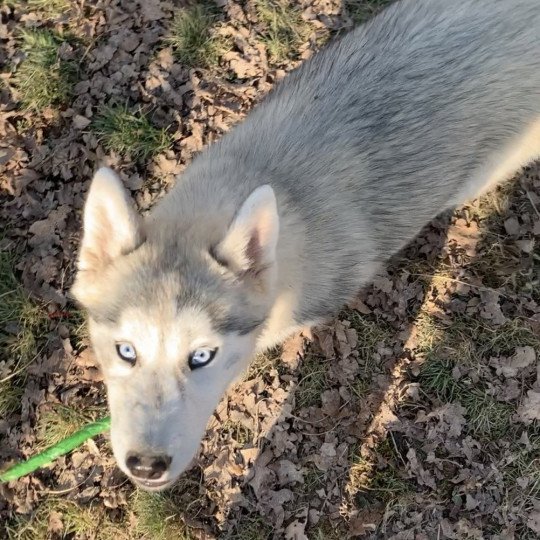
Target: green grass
(22, 323)
(11, 392)
(493, 205)
(192, 39)
(312, 381)
(314, 479)
(237, 431)
(78, 329)
(313, 371)
(158, 517)
(23, 125)
(59, 421)
(382, 480)
(252, 528)
(78, 522)
(502, 264)
(487, 417)
(43, 79)
(148, 516)
(263, 363)
(362, 10)
(130, 133)
(469, 343)
(283, 29)
(388, 484)
(327, 530)
(371, 333)
(49, 8)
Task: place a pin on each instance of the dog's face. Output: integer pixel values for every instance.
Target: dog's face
(173, 320)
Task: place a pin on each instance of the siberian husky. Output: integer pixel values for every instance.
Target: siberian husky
(281, 222)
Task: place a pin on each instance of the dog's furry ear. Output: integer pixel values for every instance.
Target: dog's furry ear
(250, 243)
(111, 227)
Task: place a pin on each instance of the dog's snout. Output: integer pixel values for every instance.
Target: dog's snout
(147, 467)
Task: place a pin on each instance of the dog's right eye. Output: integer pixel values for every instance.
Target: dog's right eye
(126, 351)
(201, 358)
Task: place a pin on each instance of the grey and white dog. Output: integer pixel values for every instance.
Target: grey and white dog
(280, 223)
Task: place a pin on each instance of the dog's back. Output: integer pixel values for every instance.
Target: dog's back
(374, 136)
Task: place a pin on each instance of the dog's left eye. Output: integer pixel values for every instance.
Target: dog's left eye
(126, 351)
(201, 357)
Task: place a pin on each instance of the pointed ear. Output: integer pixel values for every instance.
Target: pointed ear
(111, 227)
(250, 243)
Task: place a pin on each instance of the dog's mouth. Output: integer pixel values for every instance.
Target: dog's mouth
(153, 485)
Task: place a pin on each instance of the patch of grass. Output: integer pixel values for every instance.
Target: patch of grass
(11, 392)
(370, 335)
(471, 340)
(381, 481)
(22, 323)
(360, 388)
(312, 382)
(43, 79)
(314, 479)
(49, 8)
(77, 522)
(313, 378)
(470, 343)
(388, 484)
(158, 517)
(501, 263)
(131, 133)
(60, 421)
(436, 376)
(487, 417)
(78, 328)
(493, 205)
(240, 433)
(192, 39)
(252, 528)
(362, 10)
(328, 530)
(284, 30)
(263, 363)
(21, 319)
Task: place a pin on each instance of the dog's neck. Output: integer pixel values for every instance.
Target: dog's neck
(283, 317)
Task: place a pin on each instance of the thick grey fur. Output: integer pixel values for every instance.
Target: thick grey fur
(363, 145)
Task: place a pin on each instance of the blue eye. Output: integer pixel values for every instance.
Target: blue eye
(126, 351)
(201, 357)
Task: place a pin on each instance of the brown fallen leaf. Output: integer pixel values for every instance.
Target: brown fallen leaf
(80, 122)
(533, 519)
(529, 409)
(55, 524)
(511, 226)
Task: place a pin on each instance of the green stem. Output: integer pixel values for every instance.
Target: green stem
(59, 449)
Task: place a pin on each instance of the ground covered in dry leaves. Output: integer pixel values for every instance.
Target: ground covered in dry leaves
(414, 415)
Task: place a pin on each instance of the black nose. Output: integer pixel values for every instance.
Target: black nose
(147, 467)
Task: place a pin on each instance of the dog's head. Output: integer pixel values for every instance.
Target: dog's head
(174, 316)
